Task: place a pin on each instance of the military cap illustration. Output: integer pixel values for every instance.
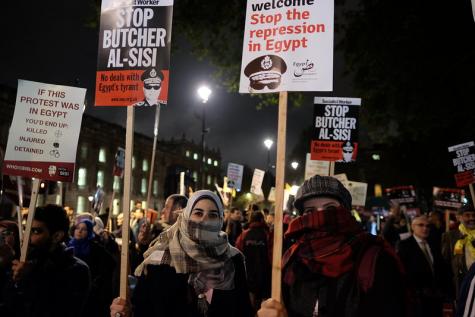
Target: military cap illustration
(265, 71)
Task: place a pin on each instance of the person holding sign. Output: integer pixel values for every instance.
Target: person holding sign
(52, 278)
(191, 269)
(333, 267)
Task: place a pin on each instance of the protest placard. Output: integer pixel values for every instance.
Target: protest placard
(341, 177)
(134, 53)
(464, 161)
(44, 133)
(119, 162)
(256, 183)
(402, 195)
(288, 46)
(448, 198)
(234, 173)
(357, 190)
(336, 129)
(316, 167)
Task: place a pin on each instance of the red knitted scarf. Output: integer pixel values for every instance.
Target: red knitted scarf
(324, 240)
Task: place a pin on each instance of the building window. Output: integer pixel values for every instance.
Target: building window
(84, 151)
(116, 185)
(102, 155)
(82, 177)
(215, 163)
(100, 178)
(195, 176)
(210, 161)
(82, 204)
(144, 205)
(143, 187)
(155, 187)
(133, 162)
(187, 153)
(208, 180)
(195, 156)
(145, 165)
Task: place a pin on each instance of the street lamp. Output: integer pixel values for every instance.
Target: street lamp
(268, 144)
(203, 92)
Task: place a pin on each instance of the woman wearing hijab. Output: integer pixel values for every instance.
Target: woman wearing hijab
(191, 270)
(101, 264)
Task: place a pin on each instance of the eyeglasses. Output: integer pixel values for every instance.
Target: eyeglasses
(156, 87)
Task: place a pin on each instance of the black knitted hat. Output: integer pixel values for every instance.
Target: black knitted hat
(322, 186)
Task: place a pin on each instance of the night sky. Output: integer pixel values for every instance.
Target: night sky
(48, 42)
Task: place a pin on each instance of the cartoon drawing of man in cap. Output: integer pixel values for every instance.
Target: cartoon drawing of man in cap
(347, 150)
(152, 85)
(265, 71)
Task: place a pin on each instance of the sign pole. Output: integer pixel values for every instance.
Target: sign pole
(472, 193)
(111, 207)
(332, 168)
(280, 172)
(124, 253)
(19, 181)
(447, 220)
(152, 163)
(31, 215)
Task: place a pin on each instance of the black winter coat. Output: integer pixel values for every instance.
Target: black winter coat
(57, 286)
(163, 292)
(343, 296)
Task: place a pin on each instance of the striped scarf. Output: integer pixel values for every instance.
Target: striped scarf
(324, 243)
(196, 248)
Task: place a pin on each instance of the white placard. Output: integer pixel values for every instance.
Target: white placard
(257, 179)
(44, 133)
(288, 46)
(235, 172)
(358, 192)
(315, 167)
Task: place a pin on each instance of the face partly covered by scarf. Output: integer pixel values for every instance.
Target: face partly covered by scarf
(323, 242)
(195, 245)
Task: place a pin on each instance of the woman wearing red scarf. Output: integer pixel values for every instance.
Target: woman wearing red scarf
(332, 267)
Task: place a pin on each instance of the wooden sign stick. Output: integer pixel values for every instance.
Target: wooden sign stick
(152, 163)
(472, 193)
(31, 214)
(124, 253)
(279, 201)
(332, 169)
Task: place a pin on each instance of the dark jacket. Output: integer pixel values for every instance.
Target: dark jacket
(57, 286)
(234, 230)
(254, 244)
(466, 294)
(343, 296)
(163, 292)
(428, 288)
(101, 265)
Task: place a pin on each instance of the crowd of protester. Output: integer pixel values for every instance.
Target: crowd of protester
(200, 259)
